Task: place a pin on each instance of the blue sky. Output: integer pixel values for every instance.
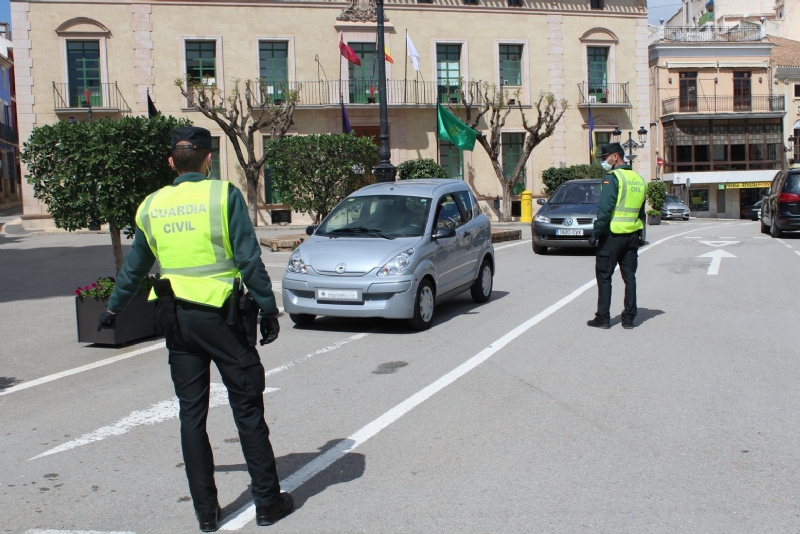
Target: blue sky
(5, 11)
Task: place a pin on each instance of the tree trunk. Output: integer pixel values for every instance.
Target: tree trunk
(116, 245)
(508, 187)
(251, 178)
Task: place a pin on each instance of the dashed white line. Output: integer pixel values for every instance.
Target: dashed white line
(693, 237)
(50, 531)
(335, 346)
(779, 240)
(797, 252)
(512, 245)
(244, 515)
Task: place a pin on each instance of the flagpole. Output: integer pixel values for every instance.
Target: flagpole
(436, 131)
(341, 93)
(405, 73)
(591, 139)
(384, 171)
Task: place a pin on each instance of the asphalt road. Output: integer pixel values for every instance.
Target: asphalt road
(512, 416)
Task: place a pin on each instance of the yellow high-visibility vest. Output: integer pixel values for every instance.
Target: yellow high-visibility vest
(186, 226)
(630, 197)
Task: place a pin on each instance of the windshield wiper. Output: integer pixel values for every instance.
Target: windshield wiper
(361, 230)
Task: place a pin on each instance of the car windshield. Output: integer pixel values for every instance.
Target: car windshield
(377, 216)
(673, 198)
(577, 193)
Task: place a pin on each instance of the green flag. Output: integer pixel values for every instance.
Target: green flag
(453, 130)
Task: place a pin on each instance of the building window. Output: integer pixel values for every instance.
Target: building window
(201, 61)
(5, 78)
(513, 144)
(797, 90)
(363, 79)
(723, 145)
(741, 91)
(216, 171)
(687, 91)
(597, 68)
(448, 71)
(698, 199)
(511, 65)
(273, 59)
(451, 158)
(83, 69)
(597, 4)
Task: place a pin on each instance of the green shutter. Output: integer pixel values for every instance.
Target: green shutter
(83, 66)
(363, 80)
(201, 60)
(511, 65)
(448, 70)
(450, 157)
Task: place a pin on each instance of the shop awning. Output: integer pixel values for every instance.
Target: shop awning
(743, 64)
(691, 64)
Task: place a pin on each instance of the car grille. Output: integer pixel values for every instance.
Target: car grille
(579, 221)
(563, 237)
(677, 211)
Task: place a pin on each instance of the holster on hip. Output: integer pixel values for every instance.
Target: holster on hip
(166, 318)
(248, 319)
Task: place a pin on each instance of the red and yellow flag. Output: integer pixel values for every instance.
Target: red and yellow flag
(386, 53)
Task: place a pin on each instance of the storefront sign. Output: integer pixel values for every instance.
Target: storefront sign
(747, 185)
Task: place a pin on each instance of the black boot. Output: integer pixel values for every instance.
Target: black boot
(209, 522)
(267, 515)
(597, 323)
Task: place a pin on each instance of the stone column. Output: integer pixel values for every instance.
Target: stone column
(555, 49)
(642, 109)
(143, 61)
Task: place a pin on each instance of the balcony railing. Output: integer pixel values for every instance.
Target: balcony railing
(101, 96)
(711, 34)
(398, 92)
(723, 104)
(604, 94)
(8, 134)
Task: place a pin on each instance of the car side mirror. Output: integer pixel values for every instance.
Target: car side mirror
(541, 201)
(310, 230)
(443, 233)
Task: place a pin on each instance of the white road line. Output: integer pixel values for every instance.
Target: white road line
(50, 531)
(762, 237)
(247, 513)
(95, 365)
(512, 245)
(335, 346)
(694, 237)
(157, 413)
(797, 252)
(779, 240)
(88, 367)
(788, 246)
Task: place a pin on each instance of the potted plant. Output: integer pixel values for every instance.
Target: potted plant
(97, 174)
(137, 321)
(656, 195)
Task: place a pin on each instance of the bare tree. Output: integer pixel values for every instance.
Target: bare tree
(240, 114)
(485, 101)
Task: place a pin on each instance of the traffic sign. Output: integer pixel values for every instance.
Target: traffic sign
(660, 162)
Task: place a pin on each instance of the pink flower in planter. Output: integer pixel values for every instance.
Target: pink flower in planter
(94, 284)
(86, 288)
(78, 292)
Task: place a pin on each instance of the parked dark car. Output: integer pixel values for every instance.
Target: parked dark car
(780, 209)
(752, 212)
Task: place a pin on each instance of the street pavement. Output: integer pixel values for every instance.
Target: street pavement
(511, 416)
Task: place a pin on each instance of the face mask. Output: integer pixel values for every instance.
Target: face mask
(208, 171)
(607, 166)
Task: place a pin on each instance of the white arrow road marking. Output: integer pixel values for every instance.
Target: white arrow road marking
(719, 243)
(716, 260)
(157, 413)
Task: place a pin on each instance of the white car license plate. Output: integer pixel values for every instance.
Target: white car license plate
(347, 295)
(569, 232)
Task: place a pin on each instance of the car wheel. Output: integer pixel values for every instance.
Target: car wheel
(424, 306)
(764, 227)
(774, 231)
(302, 318)
(482, 287)
(538, 249)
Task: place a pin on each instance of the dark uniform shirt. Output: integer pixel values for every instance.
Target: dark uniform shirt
(246, 252)
(607, 203)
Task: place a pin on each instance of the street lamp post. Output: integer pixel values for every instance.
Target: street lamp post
(384, 171)
(630, 144)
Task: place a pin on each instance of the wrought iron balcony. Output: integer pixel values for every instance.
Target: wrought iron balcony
(102, 97)
(604, 95)
(723, 104)
(8, 134)
(398, 92)
(711, 34)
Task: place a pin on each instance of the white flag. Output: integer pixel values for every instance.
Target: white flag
(412, 51)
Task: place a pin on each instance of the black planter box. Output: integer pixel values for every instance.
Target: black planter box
(136, 322)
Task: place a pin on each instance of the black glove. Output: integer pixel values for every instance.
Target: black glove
(592, 240)
(166, 321)
(270, 328)
(107, 320)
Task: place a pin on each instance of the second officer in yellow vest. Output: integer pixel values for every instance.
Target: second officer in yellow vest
(200, 233)
(620, 216)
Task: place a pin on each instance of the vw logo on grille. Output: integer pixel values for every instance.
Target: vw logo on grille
(341, 268)
(568, 222)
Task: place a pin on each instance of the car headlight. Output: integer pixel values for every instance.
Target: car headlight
(296, 263)
(542, 219)
(397, 265)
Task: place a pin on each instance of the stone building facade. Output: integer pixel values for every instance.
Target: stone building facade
(590, 52)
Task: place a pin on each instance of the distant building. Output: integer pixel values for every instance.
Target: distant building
(9, 142)
(719, 122)
(785, 64)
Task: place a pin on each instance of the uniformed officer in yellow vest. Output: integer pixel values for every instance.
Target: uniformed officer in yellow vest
(620, 219)
(200, 232)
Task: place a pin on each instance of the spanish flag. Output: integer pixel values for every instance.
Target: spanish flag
(386, 53)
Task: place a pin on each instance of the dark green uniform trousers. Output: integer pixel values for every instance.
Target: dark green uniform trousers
(613, 250)
(205, 337)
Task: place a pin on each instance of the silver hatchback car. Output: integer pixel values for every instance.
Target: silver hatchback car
(392, 250)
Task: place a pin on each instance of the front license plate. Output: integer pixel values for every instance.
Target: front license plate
(346, 295)
(569, 232)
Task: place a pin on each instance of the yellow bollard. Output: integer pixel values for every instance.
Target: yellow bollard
(527, 206)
